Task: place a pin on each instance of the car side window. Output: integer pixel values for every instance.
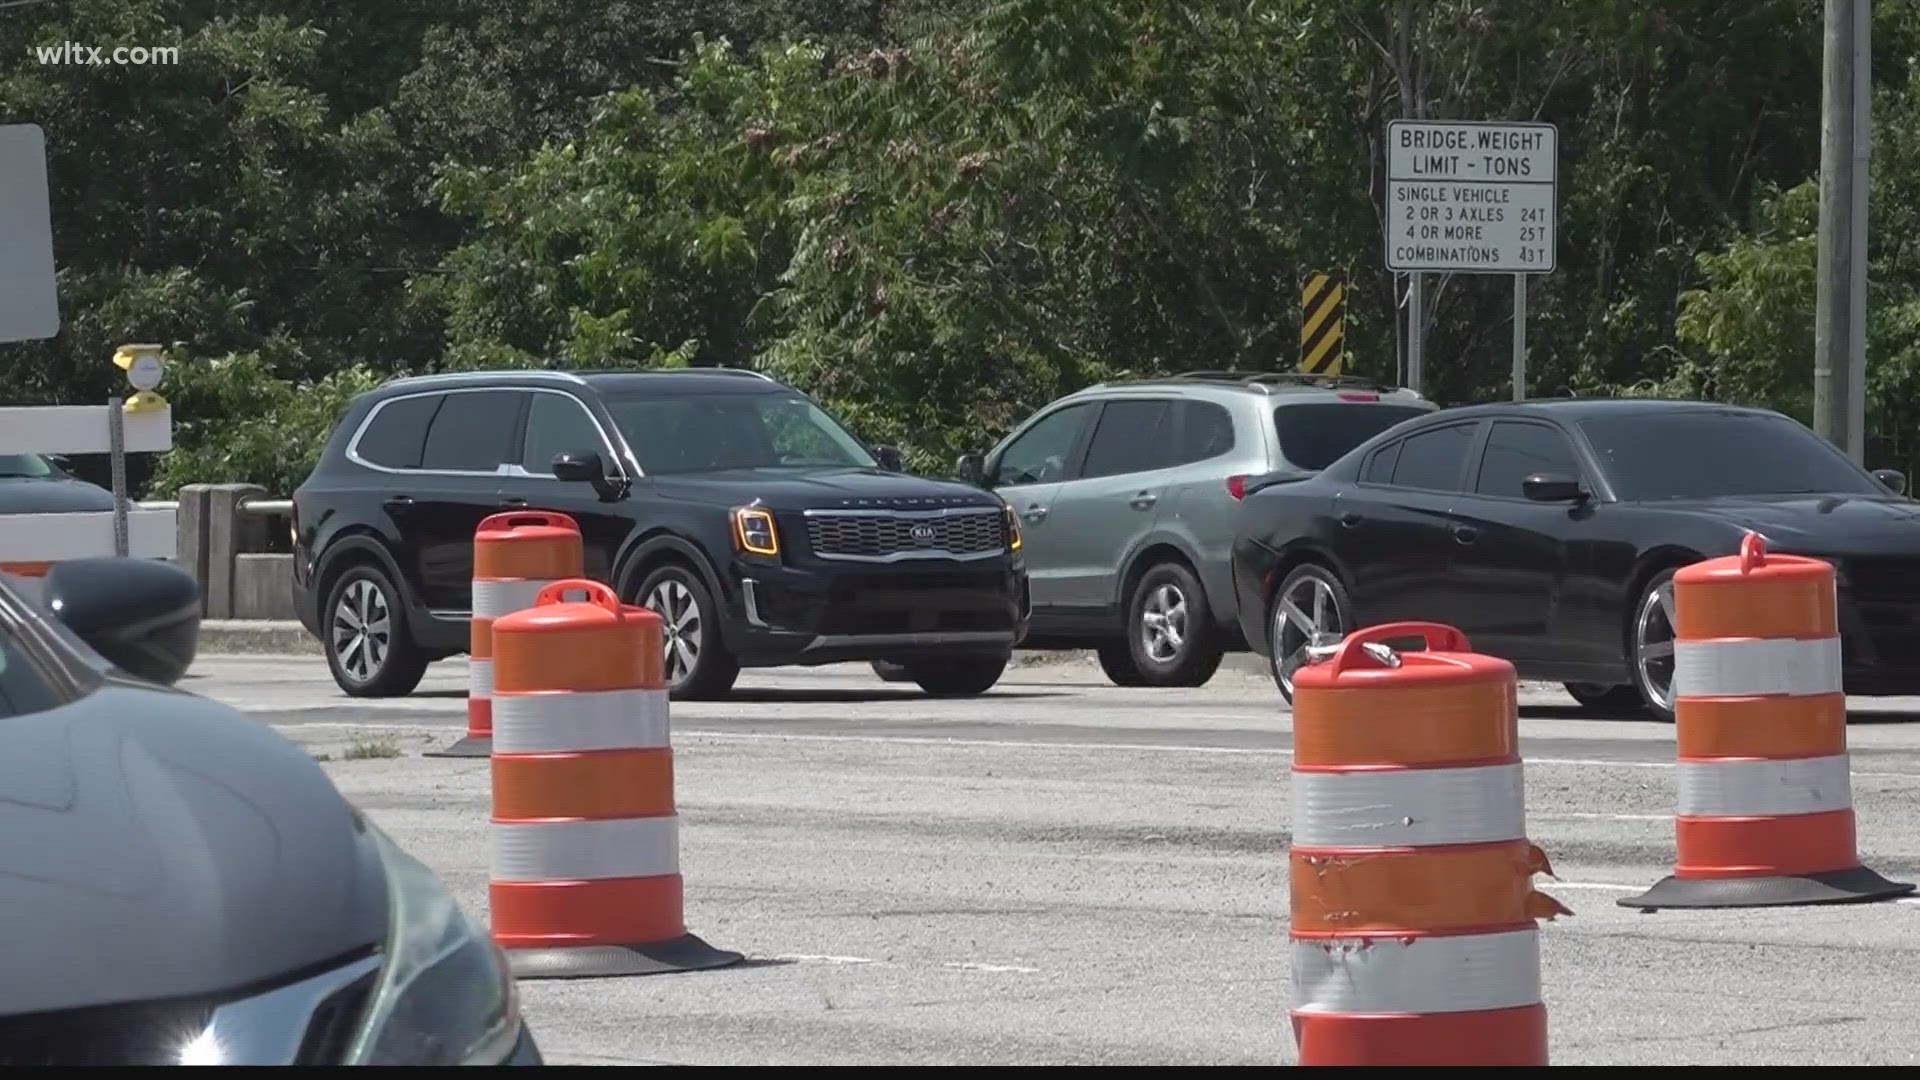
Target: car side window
(1041, 454)
(1132, 436)
(557, 424)
(1432, 459)
(1380, 466)
(1206, 431)
(1516, 451)
(470, 432)
(397, 434)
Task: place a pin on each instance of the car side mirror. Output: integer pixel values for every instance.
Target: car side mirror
(141, 615)
(890, 459)
(585, 466)
(972, 468)
(1892, 479)
(1552, 487)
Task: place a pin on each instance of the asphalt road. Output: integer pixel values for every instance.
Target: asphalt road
(1066, 872)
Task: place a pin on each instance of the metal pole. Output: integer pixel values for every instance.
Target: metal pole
(1834, 331)
(1416, 336)
(117, 453)
(1857, 270)
(1519, 337)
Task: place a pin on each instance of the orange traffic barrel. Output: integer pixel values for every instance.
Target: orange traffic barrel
(1765, 812)
(586, 850)
(1414, 931)
(515, 555)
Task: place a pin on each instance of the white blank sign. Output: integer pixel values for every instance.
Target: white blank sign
(28, 307)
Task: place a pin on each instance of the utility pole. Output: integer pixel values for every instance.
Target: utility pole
(1839, 334)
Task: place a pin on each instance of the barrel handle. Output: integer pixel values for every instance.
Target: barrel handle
(515, 519)
(1753, 552)
(597, 593)
(1439, 637)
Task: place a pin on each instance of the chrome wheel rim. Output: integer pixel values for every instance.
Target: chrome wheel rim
(1305, 617)
(1163, 624)
(1653, 644)
(680, 646)
(362, 630)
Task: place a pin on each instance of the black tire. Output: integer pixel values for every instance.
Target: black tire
(1116, 659)
(1651, 698)
(1172, 591)
(380, 663)
(1608, 699)
(965, 675)
(1338, 613)
(679, 597)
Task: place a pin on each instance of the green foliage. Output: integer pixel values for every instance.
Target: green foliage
(934, 215)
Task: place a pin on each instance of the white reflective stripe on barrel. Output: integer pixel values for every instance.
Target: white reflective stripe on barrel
(1745, 668)
(1765, 788)
(1399, 807)
(479, 678)
(494, 597)
(1386, 975)
(559, 721)
(585, 850)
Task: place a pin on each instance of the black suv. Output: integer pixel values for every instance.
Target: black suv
(730, 503)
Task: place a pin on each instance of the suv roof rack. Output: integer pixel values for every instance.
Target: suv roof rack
(748, 373)
(1288, 378)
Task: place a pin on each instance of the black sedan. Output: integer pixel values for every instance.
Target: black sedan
(1549, 532)
(183, 886)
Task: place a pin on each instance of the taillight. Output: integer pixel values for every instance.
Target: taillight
(1358, 395)
(1237, 487)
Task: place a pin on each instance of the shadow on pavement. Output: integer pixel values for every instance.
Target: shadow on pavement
(1577, 712)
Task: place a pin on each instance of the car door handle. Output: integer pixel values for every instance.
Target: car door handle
(1465, 534)
(1143, 501)
(398, 502)
(1035, 513)
(513, 501)
(1349, 519)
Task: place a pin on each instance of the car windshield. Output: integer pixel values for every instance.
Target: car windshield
(735, 431)
(1317, 435)
(1699, 453)
(24, 465)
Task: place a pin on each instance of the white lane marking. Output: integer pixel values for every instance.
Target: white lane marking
(1004, 744)
(1603, 886)
(812, 958)
(994, 968)
(1910, 901)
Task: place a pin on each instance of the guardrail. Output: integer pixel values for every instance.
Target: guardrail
(30, 544)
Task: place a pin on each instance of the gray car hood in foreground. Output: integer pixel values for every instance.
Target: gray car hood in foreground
(154, 844)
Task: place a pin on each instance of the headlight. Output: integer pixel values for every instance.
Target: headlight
(446, 995)
(753, 531)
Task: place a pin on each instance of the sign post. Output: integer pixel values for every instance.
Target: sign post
(1472, 197)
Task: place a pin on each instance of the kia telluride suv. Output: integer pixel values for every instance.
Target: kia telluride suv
(761, 531)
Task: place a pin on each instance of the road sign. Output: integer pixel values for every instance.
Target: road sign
(28, 308)
(1470, 197)
(1323, 325)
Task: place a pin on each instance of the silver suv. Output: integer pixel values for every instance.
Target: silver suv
(1127, 494)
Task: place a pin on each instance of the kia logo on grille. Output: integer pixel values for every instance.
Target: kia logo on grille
(922, 533)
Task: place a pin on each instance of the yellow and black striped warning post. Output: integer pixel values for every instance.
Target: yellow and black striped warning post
(1323, 325)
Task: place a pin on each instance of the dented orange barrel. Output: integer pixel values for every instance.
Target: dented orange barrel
(1414, 936)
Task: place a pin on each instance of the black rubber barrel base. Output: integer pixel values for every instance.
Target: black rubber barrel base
(1854, 886)
(469, 746)
(687, 953)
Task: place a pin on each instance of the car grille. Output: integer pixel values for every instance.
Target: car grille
(883, 536)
